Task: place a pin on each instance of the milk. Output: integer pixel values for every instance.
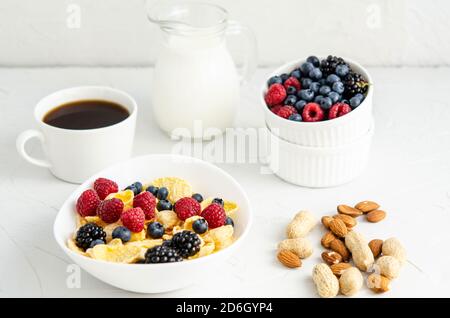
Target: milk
(195, 79)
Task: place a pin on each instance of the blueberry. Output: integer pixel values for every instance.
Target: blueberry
(333, 78)
(274, 80)
(291, 90)
(164, 205)
(155, 230)
(355, 101)
(219, 201)
(121, 232)
(338, 87)
(162, 193)
(360, 96)
(322, 81)
(326, 103)
(334, 97)
(229, 221)
(324, 90)
(290, 100)
(135, 187)
(314, 60)
(152, 189)
(306, 94)
(96, 242)
(306, 67)
(299, 105)
(200, 226)
(315, 74)
(197, 197)
(306, 82)
(296, 73)
(345, 101)
(295, 117)
(342, 70)
(284, 77)
(317, 99)
(314, 87)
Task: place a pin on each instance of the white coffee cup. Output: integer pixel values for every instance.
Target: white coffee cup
(75, 155)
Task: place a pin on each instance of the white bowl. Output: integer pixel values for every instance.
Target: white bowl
(329, 133)
(204, 177)
(318, 167)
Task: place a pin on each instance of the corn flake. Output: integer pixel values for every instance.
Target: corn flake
(73, 246)
(221, 235)
(137, 236)
(125, 196)
(168, 219)
(178, 188)
(205, 250)
(116, 252)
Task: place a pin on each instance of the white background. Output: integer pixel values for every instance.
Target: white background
(117, 32)
(408, 172)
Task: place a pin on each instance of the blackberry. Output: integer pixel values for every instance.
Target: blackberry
(89, 233)
(187, 243)
(354, 84)
(328, 65)
(162, 254)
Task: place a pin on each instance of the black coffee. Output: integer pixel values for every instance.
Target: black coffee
(86, 114)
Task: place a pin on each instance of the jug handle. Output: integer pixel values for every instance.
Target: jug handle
(250, 62)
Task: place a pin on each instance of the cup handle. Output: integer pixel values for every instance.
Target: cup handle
(20, 145)
(250, 63)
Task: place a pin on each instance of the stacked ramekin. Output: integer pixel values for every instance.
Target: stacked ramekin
(320, 154)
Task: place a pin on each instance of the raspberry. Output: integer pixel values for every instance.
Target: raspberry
(312, 112)
(292, 81)
(187, 207)
(147, 202)
(87, 203)
(110, 210)
(286, 111)
(215, 215)
(275, 95)
(338, 110)
(104, 186)
(133, 219)
(276, 108)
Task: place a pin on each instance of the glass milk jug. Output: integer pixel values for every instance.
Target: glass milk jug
(195, 89)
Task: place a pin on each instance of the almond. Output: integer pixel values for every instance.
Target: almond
(331, 257)
(339, 247)
(338, 227)
(289, 259)
(348, 210)
(326, 221)
(375, 247)
(327, 239)
(347, 219)
(367, 206)
(378, 283)
(375, 216)
(339, 268)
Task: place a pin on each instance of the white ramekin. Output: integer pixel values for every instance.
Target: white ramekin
(318, 167)
(329, 133)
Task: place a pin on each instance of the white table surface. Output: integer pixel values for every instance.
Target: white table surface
(409, 174)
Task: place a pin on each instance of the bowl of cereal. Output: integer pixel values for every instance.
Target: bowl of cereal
(153, 223)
